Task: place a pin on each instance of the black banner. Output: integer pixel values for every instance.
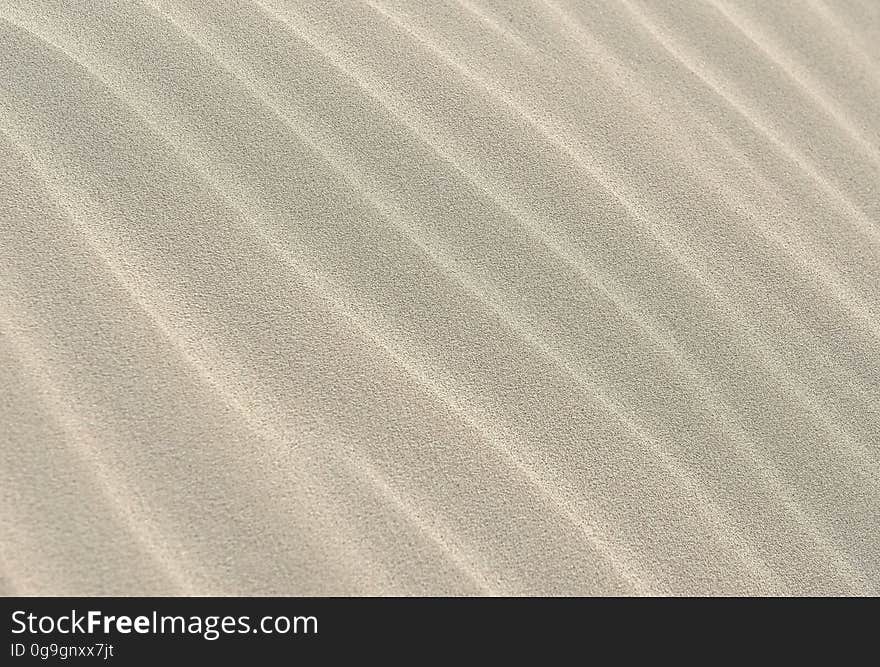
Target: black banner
(128, 631)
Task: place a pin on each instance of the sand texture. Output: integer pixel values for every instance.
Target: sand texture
(447, 297)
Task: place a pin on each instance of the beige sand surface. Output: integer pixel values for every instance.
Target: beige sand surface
(440, 297)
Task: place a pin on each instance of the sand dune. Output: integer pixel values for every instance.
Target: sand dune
(454, 297)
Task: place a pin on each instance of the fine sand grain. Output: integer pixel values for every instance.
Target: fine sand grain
(440, 297)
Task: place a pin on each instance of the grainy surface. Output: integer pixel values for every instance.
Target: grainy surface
(447, 297)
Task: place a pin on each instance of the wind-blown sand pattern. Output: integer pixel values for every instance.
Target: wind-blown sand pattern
(448, 297)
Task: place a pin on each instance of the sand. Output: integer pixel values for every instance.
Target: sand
(459, 297)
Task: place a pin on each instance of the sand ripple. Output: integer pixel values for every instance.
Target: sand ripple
(455, 297)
